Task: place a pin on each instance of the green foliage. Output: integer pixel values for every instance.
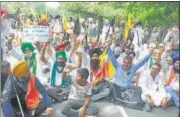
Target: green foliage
(156, 13)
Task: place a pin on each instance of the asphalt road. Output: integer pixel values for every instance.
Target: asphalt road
(110, 110)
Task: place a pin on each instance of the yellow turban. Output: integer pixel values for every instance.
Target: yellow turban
(43, 17)
(28, 22)
(20, 68)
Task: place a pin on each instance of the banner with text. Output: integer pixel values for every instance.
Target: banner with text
(35, 33)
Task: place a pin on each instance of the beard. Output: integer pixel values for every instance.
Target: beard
(94, 64)
(176, 70)
(29, 55)
(60, 66)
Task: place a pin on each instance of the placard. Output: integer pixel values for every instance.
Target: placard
(35, 33)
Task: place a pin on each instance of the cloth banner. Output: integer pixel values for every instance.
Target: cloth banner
(128, 97)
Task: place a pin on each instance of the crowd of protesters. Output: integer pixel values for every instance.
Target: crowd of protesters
(76, 57)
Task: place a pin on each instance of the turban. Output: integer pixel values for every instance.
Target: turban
(28, 21)
(132, 53)
(3, 11)
(57, 17)
(20, 68)
(26, 45)
(60, 53)
(84, 72)
(59, 46)
(43, 17)
(95, 51)
(175, 59)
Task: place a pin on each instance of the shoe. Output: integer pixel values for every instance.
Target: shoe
(147, 108)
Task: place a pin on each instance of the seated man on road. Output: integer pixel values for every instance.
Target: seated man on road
(172, 84)
(24, 84)
(152, 85)
(79, 102)
(125, 72)
(97, 76)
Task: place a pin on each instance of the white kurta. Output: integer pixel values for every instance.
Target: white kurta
(43, 78)
(150, 86)
(17, 54)
(58, 78)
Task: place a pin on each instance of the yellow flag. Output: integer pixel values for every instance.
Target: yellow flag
(64, 23)
(127, 27)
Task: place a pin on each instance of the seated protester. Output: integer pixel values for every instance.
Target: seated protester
(155, 58)
(124, 74)
(172, 84)
(5, 70)
(144, 52)
(24, 84)
(80, 95)
(100, 85)
(43, 21)
(166, 59)
(122, 55)
(117, 53)
(78, 54)
(56, 66)
(161, 47)
(157, 55)
(34, 62)
(116, 48)
(154, 93)
(166, 64)
(67, 49)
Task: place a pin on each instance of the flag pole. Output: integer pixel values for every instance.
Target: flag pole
(17, 96)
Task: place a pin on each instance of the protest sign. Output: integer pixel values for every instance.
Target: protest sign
(35, 33)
